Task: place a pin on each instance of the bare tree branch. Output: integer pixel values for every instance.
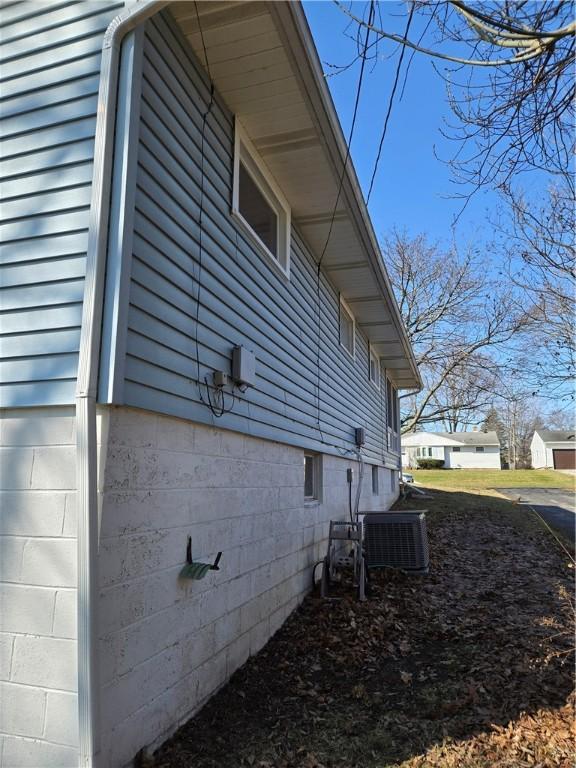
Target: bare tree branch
(455, 318)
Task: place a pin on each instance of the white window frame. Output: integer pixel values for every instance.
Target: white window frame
(344, 307)
(392, 407)
(316, 479)
(245, 152)
(372, 356)
(375, 480)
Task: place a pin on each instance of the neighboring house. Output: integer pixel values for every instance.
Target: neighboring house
(553, 449)
(458, 450)
(152, 233)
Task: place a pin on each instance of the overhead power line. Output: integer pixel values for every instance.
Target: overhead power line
(350, 135)
(390, 103)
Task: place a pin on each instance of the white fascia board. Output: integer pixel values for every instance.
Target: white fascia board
(429, 439)
(296, 31)
(561, 444)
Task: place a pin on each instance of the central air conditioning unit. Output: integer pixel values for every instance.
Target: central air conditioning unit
(396, 540)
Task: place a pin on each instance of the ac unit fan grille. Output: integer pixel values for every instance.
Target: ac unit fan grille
(396, 540)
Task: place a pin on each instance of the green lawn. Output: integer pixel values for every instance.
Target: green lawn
(492, 478)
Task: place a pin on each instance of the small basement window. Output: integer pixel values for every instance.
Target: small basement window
(479, 449)
(312, 476)
(455, 450)
(259, 204)
(375, 490)
(347, 328)
(374, 369)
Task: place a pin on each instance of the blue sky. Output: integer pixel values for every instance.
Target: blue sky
(412, 185)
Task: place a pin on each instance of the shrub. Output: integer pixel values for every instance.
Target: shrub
(430, 463)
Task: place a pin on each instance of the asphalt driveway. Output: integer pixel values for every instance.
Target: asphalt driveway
(555, 505)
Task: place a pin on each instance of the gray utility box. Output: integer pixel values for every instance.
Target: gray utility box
(243, 366)
(396, 540)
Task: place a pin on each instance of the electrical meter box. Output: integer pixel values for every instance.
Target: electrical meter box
(243, 366)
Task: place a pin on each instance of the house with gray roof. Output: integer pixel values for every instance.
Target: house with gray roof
(458, 450)
(553, 449)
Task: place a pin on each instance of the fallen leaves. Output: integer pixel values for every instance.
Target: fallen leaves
(406, 677)
(469, 667)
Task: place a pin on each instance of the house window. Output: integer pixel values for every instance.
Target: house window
(312, 476)
(259, 204)
(375, 480)
(392, 481)
(392, 406)
(479, 449)
(455, 450)
(347, 329)
(257, 212)
(374, 369)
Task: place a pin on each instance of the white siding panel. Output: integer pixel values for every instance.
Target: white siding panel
(50, 61)
(40, 319)
(53, 147)
(243, 299)
(44, 248)
(19, 88)
(43, 343)
(51, 392)
(32, 205)
(44, 271)
(73, 174)
(43, 294)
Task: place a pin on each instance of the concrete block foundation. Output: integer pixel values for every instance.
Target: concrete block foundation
(166, 643)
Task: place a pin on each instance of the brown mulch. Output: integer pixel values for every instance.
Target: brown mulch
(468, 667)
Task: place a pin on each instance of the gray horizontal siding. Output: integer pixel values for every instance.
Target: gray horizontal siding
(243, 299)
(50, 59)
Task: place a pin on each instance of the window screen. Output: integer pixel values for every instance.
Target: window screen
(391, 402)
(256, 210)
(346, 330)
(312, 476)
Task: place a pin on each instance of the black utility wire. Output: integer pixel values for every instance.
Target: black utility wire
(349, 144)
(390, 103)
(340, 185)
(217, 410)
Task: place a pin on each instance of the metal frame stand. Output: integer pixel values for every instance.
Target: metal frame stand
(340, 534)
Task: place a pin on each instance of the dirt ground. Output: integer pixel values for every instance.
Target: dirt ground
(468, 667)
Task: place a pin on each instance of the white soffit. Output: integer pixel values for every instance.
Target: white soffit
(262, 60)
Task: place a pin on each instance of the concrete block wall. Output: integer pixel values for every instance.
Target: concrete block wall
(38, 703)
(167, 644)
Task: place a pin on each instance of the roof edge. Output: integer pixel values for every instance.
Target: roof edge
(291, 16)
